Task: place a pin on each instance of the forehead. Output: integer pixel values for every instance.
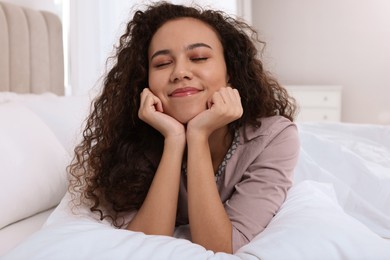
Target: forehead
(184, 31)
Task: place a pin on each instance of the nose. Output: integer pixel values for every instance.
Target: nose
(181, 71)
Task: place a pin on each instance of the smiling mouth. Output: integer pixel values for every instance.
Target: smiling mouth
(184, 92)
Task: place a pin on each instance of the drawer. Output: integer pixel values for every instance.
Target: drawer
(324, 98)
(318, 114)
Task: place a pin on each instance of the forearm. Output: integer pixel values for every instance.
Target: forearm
(157, 214)
(210, 225)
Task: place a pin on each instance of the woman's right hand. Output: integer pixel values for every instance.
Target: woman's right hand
(151, 112)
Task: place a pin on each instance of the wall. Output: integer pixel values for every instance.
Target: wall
(340, 42)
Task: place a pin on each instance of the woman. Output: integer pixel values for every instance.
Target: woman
(189, 129)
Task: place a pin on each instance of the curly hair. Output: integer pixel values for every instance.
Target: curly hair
(110, 171)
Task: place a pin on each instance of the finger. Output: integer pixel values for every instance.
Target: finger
(224, 93)
(217, 99)
(209, 103)
(238, 101)
(233, 97)
(145, 91)
(158, 105)
(144, 94)
(151, 100)
(228, 95)
(237, 96)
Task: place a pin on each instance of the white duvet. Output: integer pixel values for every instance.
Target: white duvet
(338, 208)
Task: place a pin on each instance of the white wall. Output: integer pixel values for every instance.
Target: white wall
(340, 42)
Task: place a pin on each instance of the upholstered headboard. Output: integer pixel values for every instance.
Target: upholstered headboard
(31, 51)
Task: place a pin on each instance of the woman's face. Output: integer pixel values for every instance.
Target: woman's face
(186, 66)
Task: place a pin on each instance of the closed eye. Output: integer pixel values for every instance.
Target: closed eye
(199, 59)
(159, 65)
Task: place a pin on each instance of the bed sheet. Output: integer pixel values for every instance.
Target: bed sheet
(355, 158)
(337, 209)
(14, 234)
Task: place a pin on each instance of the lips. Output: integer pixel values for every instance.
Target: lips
(184, 92)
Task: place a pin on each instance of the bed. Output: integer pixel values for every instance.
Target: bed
(338, 207)
(31, 61)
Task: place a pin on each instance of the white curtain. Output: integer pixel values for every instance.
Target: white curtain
(93, 30)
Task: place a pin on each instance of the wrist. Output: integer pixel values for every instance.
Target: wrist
(176, 140)
(194, 136)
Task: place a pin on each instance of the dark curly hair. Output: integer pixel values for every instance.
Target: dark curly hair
(110, 171)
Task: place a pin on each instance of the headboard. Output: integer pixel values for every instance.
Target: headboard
(31, 51)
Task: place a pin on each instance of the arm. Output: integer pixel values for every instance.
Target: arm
(267, 173)
(210, 225)
(157, 214)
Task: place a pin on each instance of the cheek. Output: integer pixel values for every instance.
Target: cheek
(217, 79)
(217, 74)
(158, 79)
(154, 83)
(157, 88)
(151, 78)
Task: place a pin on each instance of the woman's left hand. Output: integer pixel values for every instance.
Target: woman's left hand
(223, 108)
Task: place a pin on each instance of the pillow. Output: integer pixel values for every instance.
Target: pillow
(12, 96)
(64, 115)
(312, 225)
(32, 162)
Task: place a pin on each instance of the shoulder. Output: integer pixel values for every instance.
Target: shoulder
(268, 128)
(276, 137)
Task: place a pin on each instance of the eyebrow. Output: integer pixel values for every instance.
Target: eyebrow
(189, 47)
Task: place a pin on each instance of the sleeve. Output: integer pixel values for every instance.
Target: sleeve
(263, 187)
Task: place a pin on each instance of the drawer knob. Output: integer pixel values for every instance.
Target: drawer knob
(325, 98)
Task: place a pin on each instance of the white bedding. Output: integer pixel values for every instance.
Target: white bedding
(37, 133)
(338, 208)
(310, 225)
(15, 233)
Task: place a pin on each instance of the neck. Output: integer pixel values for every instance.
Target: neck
(220, 141)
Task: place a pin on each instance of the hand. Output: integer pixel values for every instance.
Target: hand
(151, 112)
(223, 108)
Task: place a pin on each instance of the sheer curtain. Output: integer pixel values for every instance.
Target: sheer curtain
(95, 27)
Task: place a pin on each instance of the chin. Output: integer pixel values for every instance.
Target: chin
(187, 118)
(184, 121)
(184, 114)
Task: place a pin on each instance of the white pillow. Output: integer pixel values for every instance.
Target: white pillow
(32, 164)
(12, 96)
(64, 115)
(311, 225)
